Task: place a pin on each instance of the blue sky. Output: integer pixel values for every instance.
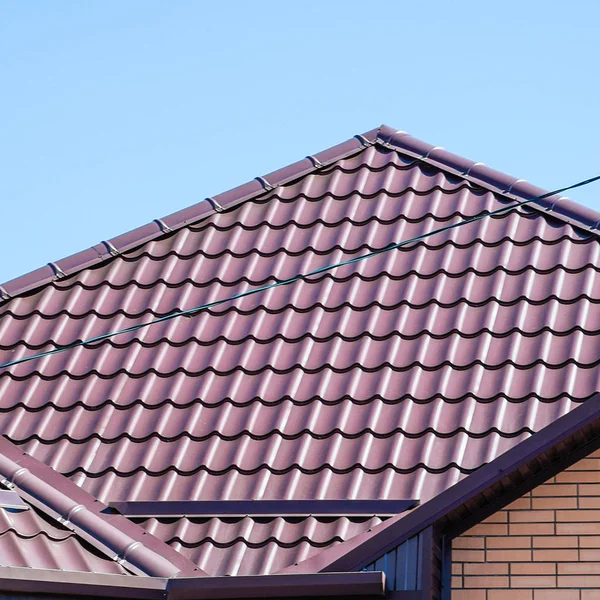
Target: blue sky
(115, 113)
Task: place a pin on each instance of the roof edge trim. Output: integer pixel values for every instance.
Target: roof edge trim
(347, 584)
(24, 580)
(255, 508)
(72, 583)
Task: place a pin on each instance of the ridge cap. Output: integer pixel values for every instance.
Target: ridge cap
(108, 249)
(561, 207)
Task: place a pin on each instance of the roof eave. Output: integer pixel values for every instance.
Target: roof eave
(22, 580)
(70, 583)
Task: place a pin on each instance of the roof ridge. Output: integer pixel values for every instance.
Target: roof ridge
(561, 207)
(106, 250)
(115, 536)
(516, 189)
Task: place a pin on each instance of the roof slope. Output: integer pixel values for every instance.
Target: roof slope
(394, 377)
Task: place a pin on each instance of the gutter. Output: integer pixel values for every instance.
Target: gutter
(23, 580)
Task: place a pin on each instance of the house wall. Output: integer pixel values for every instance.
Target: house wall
(543, 546)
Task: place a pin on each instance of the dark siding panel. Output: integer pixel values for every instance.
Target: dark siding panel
(412, 563)
(401, 554)
(402, 566)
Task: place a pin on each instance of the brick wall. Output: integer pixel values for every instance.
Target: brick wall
(543, 546)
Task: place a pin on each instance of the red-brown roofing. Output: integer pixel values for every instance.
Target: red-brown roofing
(68, 529)
(395, 377)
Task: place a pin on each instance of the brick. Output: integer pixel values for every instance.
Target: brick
(586, 464)
(578, 568)
(531, 529)
(488, 529)
(589, 541)
(579, 581)
(486, 569)
(554, 503)
(556, 541)
(457, 568)
(509, 595)
(578, 516)
(468, 543)
(488, 581)
(556, 595)
(589, 555)
(589, 502)
(533, 581)
(520, 504)
(555, 490)
(555, 555)
(577, 528)
(531, 516)
(507, 555)
(578, 477)
(595, 454)
(592, 489)
(516, 541)
(499, 517)
(456, 582)
(534, 568)
(468, 555)
(468, 595)
(590, 594)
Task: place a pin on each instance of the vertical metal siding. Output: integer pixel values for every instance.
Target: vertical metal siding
(402, 566)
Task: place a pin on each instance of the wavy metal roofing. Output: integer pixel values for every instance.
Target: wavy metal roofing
(251, 545)
(28, 539)
(394, 377)
(59, 526)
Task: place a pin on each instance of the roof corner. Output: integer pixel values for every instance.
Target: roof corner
(112, 534)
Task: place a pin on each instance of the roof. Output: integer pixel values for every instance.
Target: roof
(391, 378)
(66, 528)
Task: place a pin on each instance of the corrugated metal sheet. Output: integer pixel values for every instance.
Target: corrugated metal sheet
(394, 377)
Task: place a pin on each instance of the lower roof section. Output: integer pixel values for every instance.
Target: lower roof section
(238, 546)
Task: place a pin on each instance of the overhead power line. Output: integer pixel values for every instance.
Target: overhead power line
(302, 276)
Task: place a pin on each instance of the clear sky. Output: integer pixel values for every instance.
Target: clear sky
(115, 113)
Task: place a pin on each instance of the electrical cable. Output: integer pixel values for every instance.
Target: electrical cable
(302, 276)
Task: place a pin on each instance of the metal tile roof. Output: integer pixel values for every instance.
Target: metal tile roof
(252, 546)
(27, 539)
(67, 529)
(394, 377)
